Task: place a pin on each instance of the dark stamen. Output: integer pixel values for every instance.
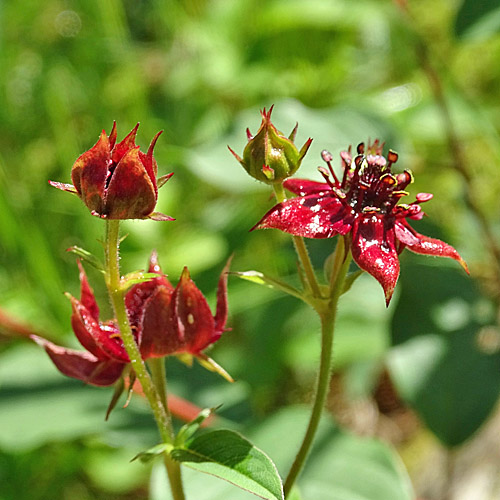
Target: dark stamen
(326, 175)
(327, 158)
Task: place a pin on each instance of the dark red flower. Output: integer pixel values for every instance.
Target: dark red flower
(176, 321)
(117, 181)
(364, 204)
(165, 321)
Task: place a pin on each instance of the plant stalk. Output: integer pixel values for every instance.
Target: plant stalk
(327, 314)
(158, 406)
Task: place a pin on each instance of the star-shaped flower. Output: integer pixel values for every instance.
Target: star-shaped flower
(364, 205)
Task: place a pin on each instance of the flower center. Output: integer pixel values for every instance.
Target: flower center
(368, 184)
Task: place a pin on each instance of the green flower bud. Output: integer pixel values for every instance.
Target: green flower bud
(269, 156)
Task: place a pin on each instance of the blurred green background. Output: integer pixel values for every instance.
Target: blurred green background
(422, 377)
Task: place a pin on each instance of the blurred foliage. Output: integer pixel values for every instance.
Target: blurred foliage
(200, 70)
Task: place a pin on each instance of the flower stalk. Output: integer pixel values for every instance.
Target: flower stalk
(153, 395)
(327, 311)
(300, 248)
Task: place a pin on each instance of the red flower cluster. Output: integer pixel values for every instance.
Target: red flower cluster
(165, 321)
(363, 204)
(117, 181)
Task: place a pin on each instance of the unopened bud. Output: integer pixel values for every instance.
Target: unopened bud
(269, 156)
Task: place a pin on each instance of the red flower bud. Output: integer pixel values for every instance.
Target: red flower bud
(117, 181)
(177, 321)
(165, 321)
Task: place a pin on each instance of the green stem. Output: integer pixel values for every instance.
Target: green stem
(327, 315)
(300, 248)
(159, 376)
(117, 297)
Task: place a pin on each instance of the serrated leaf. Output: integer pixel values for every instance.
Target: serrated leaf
(152, 453)
(229, 456)
(86, 256)
(189, 429)
(262, 279)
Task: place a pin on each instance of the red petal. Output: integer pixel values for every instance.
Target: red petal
(154, 264)
(137, 297)
(309, 216)
(221, 309)
(163, 179)
(89, 173)
(194, 318)
(374, 250)
(103, 341)
(304, 187)
(131, 194)
(81, 364)
(421, 244)
(87, 297)
(149, 162)
(123, 147)
(159, 337)
(112, 136)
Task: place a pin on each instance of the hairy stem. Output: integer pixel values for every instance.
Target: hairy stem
(327, 315)
(117, 297)
(159, 376)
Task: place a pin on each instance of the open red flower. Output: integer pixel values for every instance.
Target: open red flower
(363, 204)
(117, 181)
(165, 321)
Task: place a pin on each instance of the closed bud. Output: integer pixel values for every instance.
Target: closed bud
(117, 180)
(269, 156)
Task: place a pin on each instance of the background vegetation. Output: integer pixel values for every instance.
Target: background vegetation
(422, 376)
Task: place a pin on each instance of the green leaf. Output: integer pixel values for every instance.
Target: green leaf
(148, 455)
(262, 279)
(229, 456)
(86, 256)
(189, 429)
(478, 19)
(341, 466)
(440, 366)
(134, 278)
